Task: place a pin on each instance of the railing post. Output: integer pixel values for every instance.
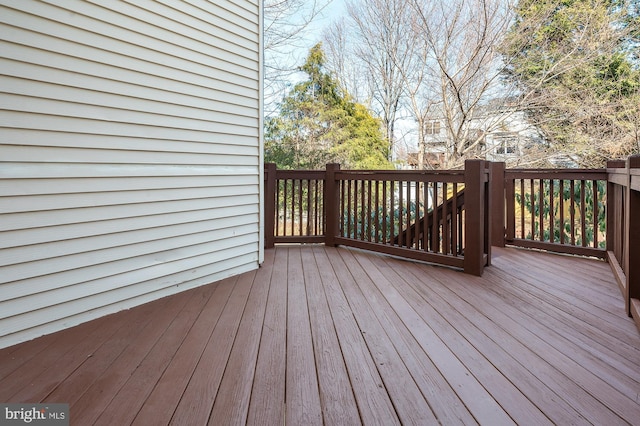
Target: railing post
(497, 207)
(632, 231)
(474, 217)
(614, 208)
(331, 204)
(269, 204)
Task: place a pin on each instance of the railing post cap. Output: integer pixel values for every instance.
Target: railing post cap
(616, 164)
(634, 161)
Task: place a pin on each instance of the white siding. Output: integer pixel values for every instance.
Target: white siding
(130, 154)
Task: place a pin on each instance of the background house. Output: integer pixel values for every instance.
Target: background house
(130, 154)
(503, 130)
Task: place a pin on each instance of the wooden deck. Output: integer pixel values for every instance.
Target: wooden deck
(339, 336)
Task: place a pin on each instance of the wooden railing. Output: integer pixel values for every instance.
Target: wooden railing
(623, 229)
(295, 199)
(453, 217)
(560, 210)
(415, 214)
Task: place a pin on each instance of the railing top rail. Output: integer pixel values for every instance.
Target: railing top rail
(569, 174)
(301, 174)
(450, 176)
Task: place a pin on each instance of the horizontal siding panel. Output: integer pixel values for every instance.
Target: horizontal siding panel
(27, 154)
(63, 322)
(235, 225)
(210, 18)
(169, 111)
(24, 187)
(49, 274)
(105, 38)
(28, 121)
(163, 282)
(41, 219)
(114, 116)
(239, 36)
(93, 199)
(113, 78)
(215, 143)
(16, 39)
(78, 170)
(238, 13)
(130, 22)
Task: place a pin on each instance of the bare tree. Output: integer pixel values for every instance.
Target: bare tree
(461, 41)
(337, 43)
(378, 40)
(285, 25)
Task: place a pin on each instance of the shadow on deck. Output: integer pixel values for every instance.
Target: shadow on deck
(340, 336)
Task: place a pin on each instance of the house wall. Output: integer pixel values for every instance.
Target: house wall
(130, 154)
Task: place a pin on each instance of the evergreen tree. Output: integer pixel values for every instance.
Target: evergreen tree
(574, 62)
(319, 123)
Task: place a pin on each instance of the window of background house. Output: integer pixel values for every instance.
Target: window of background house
(433, 128)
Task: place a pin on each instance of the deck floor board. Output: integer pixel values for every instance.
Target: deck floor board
(322, 335)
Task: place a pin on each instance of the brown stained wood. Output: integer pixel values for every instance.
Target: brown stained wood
(529, 334)
(13, 357)
(440, 397)
(336, 396)
(268, 394)
(166, 395)
(570, 290)
(516, 388)
(129, 399)
(232, 402)
(22, 369)
(302, 396)
(72, 387)
(407, 399)
(373, 401)
(612, 352)
(538, 338)
(413, 310)
(198, 398)
(92, 403)
(581, 401)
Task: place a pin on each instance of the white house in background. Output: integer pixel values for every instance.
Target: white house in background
(504, 133)
(130, 154)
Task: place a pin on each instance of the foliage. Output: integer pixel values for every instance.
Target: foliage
(318, 123)
(530, 201)
(573, 61)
